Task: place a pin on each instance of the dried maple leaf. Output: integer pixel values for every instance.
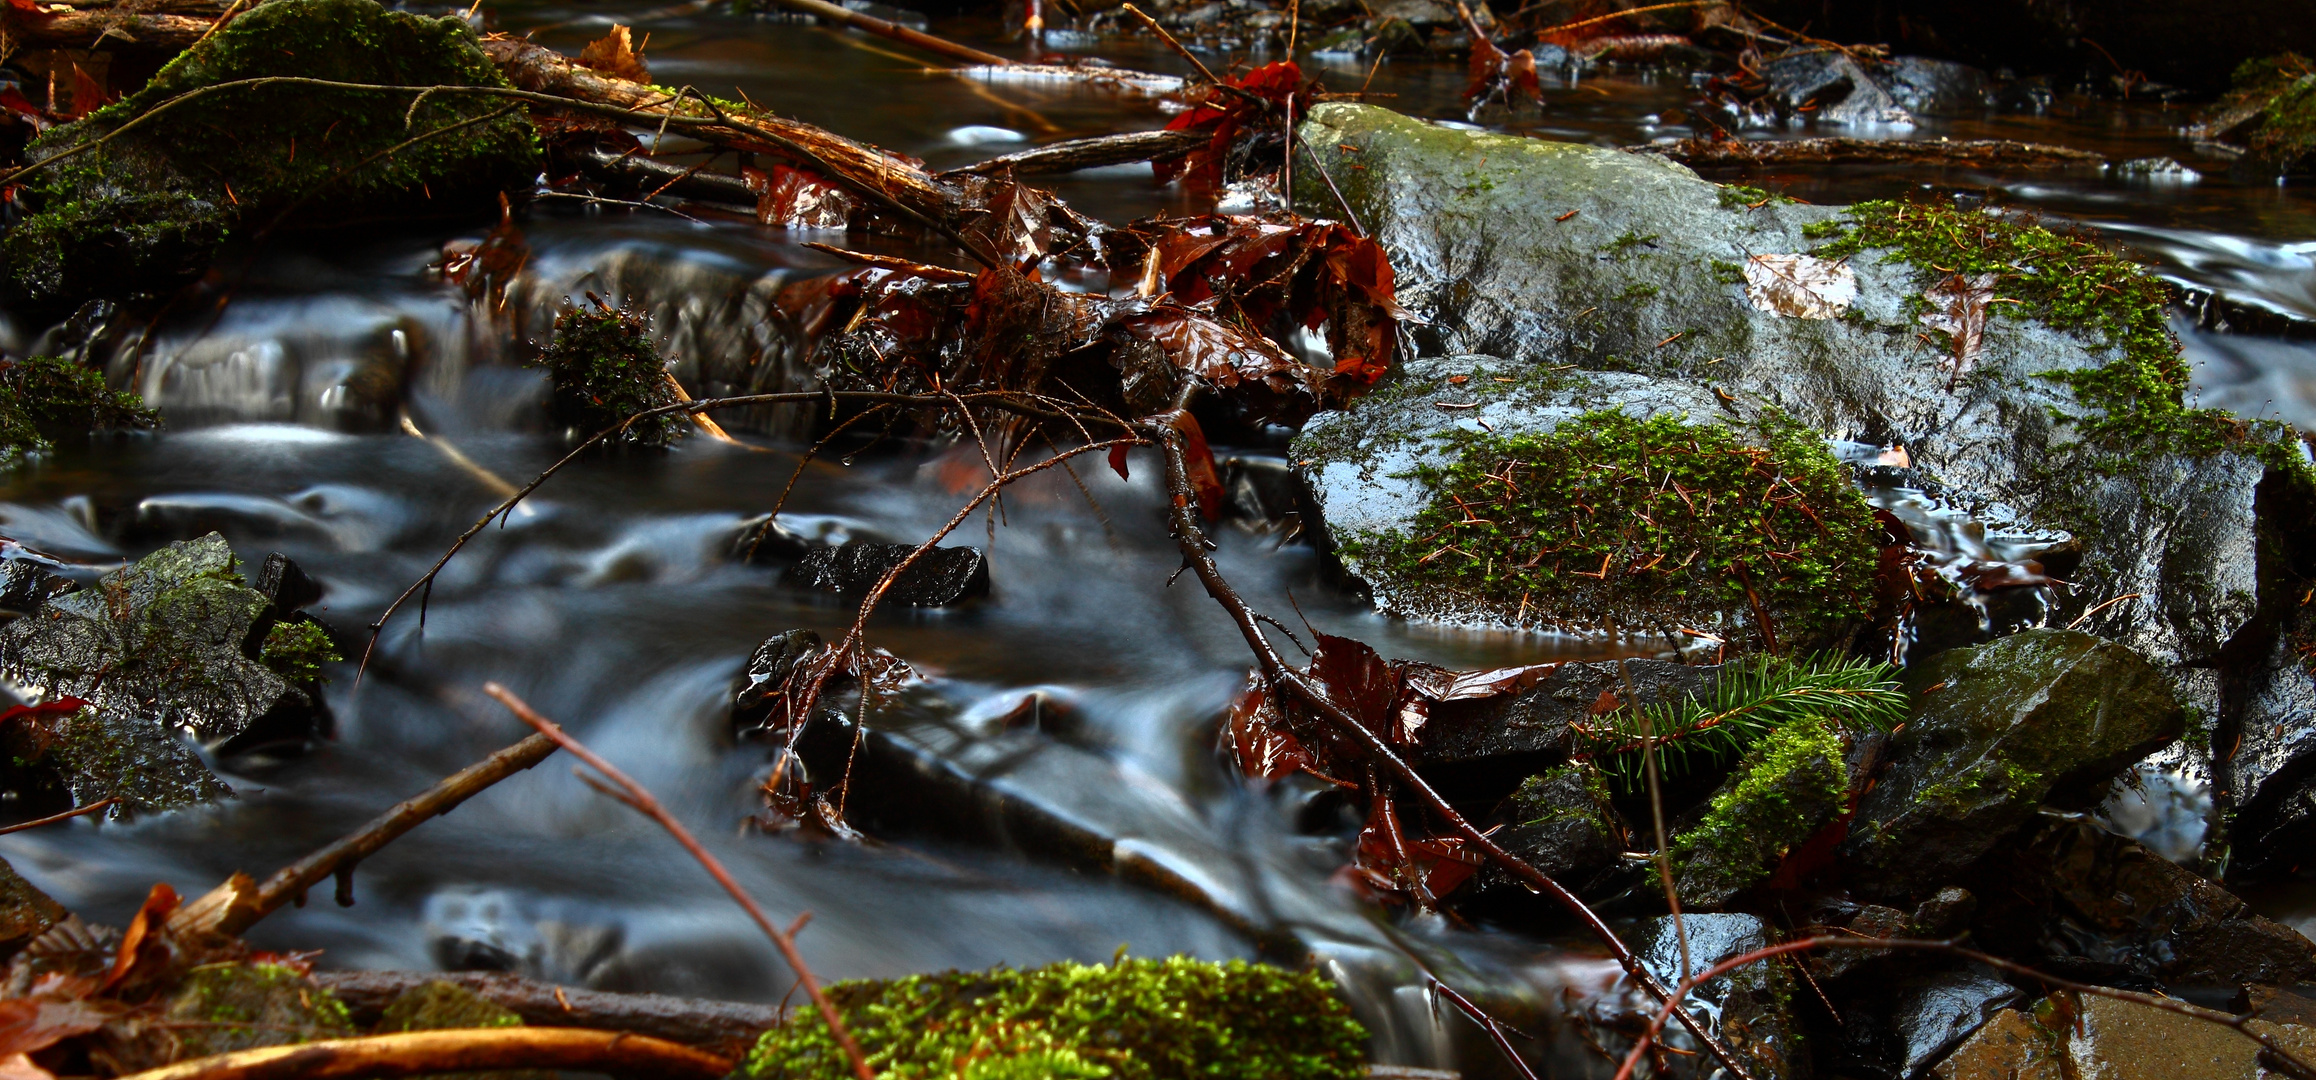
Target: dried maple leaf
(617, 55)
(1958, 306)
(798, 199)
(1800, 286)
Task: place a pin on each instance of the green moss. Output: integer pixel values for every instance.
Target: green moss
(1994, 778)
(1531, 803)
(2283, 88)
(1638, 291)
(1742, 197)
(296, 651)
(221, 1008)
(1647, 522)
(1135, 1019)
(1629, 240)
(1787, 788)
(146, 209)
(44, 398)
(606, 369)
(1728, 273)
(2072, 284)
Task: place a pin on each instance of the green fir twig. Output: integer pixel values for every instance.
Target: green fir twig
(1751, 699)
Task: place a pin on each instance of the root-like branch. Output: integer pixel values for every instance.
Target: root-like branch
(420, 1052)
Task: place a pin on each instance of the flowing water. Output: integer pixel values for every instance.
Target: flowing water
(610, 604)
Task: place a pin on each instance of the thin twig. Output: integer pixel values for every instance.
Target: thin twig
(458, 1050)
(641, 798)
(1664, 859)
(66, 816)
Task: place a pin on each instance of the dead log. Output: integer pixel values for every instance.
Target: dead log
(166, 26)
(1970, 153)
(1093, 153)
(718, 1024)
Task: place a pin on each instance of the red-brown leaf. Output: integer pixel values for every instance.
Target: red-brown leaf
(616, 54)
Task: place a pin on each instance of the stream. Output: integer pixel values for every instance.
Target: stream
(610, 603)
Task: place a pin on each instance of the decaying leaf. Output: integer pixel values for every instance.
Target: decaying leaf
(486, 268)
(1227, 114)
(1494, 73)
(800, 199)
(616, 54)
(1958, 307)
(1800, 286)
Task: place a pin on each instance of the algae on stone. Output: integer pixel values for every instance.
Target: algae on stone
(43, 399)
(224, 1007)
(158, 650)
(147, 209)
(1170, 1019)
(605, 369)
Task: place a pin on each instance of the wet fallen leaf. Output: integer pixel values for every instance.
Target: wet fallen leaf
(616, 54)
(1226, 114)
(1800, 286)
(1958, 307)
(29, 1024)
(486, 268)
(798, 199)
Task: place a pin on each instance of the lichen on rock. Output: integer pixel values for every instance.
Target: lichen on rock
(605, 368)
(1170, 1019)
(147, 208)
(223, 1007)
(43, 399)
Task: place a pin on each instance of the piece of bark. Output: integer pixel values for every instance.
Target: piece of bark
(1093, 153)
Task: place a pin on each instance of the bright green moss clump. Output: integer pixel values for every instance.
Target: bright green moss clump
(1791, 785)
(606, 369)
(1170, 1019)
(2068, 283)
(297, 650)
(2283, 88)
(1651, 523)
(44, 398)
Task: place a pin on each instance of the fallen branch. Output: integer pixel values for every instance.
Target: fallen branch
(65, 816)
(1092, 153)
(640, 799)
(238, 904)
(458, 1050)
(1190, 536)
(717, 1024)
(885, 29)
(1975, 153)
(108, 28)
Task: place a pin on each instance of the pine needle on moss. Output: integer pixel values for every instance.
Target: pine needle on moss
(1751, 699)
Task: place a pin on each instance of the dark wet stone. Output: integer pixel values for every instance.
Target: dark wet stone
(1843, 91)
(25, 911)
(1898, 1028)
(2044, 715)
(1534, 724)
(286, 585)
(1561, 822)
(1836, 917)
(1752, 1007)
(1929, 87)
(767, 670)
(25, 585)
(2076, 897)
(944, 576)
(765, 539)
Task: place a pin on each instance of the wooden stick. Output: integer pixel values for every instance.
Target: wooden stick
(65, 816)
(1177, 46)
(542, 1004)
(458, 1050)
(339, 858)
(882, 28)
(640, 798)
(1093, 153)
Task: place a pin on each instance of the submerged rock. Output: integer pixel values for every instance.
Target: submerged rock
(147, 210)
(1751, 1007)
(1996, 731)
(2067, 895)
(944, 576)
(2030, 374)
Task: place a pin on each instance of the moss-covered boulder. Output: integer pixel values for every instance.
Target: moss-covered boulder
(1477, 488)
(43, 399)
(443, 1006)
(1171, 1019)
(1996, 732)
(175, 645)
(221, 1008)
(148, 208)
(1563, 822)
(1792, 783)
(2054, 390)
(605, 367)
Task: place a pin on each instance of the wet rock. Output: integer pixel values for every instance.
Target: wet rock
(221, 1008)
(2069, 896)
(1555, 255)
(1842, 91)
(1927, 87)
(1841, 917)
(145, 212)
(173, 645)
(944, 576)
(2087, 1037)
(1752, 1006)
(1561, 822)
(25, 911)
(767, 672)
(1997, 730)
(1532, 727)
(1899, 1027)
(1791, 784)
(605, 368)
(25, 585)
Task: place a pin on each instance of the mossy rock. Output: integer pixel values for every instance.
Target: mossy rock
(25, 911)
(43, 399)
(1997, 731)
(605, 368)
(148, 209)
(2276, 96)
(1131, 1020)
(222, 1008)
(1561, 821)
(1588, 501)
(444, 1006)
(1790, 785)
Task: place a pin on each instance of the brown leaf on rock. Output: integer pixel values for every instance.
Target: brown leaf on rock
(616, 54)
(1800, 286)
(1958, 307)
(1259, 740)
(486, 268)
(800, 199)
